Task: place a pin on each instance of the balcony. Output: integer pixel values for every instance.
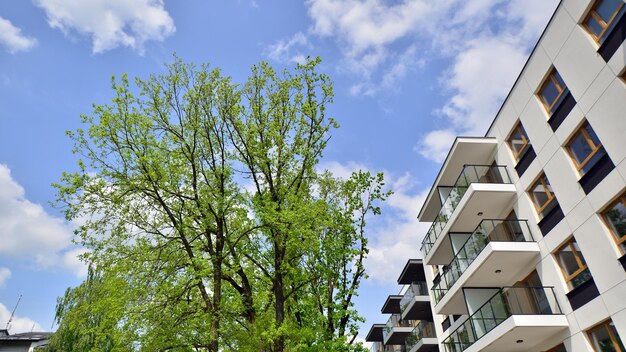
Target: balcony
(392, 305)
(464, 151)
(479, 191)
(493, 255)
(511, 319)
(396, 330)
(379, 347)
(415, 304)
(423, 338)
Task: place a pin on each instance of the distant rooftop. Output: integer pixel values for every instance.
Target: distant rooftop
(25, 336)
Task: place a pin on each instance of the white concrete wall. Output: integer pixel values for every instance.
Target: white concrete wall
(600, 94)
(601, 100)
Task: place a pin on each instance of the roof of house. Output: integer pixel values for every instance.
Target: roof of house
(26, 336)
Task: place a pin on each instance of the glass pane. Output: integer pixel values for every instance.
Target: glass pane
(594, 26)
(568, 260)
(517, 140)
(606, 9)
(558, 78)
(616, 335)
(538, 193)
(549, 92)
(602, 340)
(581, 278)
(580, 148)
(592, 134)
(616, 217)
(594, 159)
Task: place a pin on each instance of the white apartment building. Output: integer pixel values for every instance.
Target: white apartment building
(527, 248)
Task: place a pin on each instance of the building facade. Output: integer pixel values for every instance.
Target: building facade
(526, 251)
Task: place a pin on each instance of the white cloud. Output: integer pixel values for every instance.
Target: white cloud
(5, 273)
(283, 50)
(111, 23)
(12, 39)
(397, 239)
(486, 41)
(435, 144)
(484, 69)
(18, 324)
(342, 171)
(29, 233)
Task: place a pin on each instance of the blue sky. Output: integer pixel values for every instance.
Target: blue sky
(409, 75)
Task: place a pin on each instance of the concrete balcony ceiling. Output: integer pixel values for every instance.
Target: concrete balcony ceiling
(524, 333)
(486, 199)
(499, 264)
(464, 151)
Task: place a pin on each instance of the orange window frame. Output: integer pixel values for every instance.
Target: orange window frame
(605, 25)
(561, 90)
(518, 128)
(549, 193)
(620, 239)
(607, 326)
(581, 267)
(592, 145)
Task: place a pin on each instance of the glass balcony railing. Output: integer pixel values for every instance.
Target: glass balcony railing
(487, 231)
(395, 321)
(470, 174)
(379, 347)
(425, 329)
(504, 303)
(415, 289)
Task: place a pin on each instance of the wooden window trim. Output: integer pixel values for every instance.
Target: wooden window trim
(594, 148)
(619, 239)
(581, 267)
(551, 78)
(518, 128)
(605, 25)
(556, 348)
(607, 326)
(549, 193)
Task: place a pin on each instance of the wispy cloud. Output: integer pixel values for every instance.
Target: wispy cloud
(111, 23)
(30, 234)
(5, 274)
(290, 50)
(12, 39)
(485, 41)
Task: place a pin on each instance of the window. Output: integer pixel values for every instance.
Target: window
(573, 264)
(518, 141)
(559, 348)
(585, 148)
(604, 338)
(615, 217)
(552, 91)
(603, 17)
(542, 196)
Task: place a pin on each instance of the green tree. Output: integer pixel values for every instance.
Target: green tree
(208, 224)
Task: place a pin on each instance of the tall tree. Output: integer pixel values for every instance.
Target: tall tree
(204, 212)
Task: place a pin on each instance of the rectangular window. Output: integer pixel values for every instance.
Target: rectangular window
(542, 196)
(518, 141)
(585, 148)
(604, 338)
(615, 217)
(572, 264)
(559, 348)
(603, 17)
(552, 91)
